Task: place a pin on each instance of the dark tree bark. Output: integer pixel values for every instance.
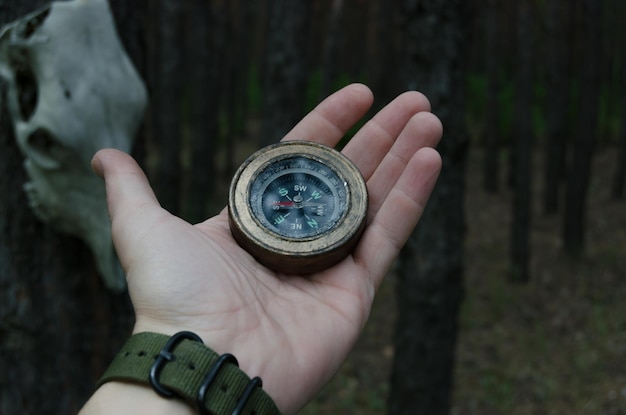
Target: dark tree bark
(585, 134)
(430, 287)
(204, 53)
(285, 70)
(239, 60)
(166, 97)
(558, 79)
(132, 22)
(385, 51)
(619, 177)
(491, 162)
(59, 326)
(331, 48)
(520, 230)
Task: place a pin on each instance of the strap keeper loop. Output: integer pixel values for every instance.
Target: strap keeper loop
(210, 378)
(247, 393)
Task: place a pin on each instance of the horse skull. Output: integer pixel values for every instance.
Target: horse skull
(71, 91)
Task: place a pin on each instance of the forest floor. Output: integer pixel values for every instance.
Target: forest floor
(556, 345)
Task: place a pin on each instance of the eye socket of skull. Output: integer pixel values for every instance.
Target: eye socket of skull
(45, 151)
(25, 80)
(27, 90)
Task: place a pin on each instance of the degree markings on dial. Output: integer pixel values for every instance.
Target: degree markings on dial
(299, 198)
(311, 222)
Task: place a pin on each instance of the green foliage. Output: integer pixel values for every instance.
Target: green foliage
(345, 395)
(507, 106)
(498, 390)
(255, 89)
(313, 89)
(476, 103)
(313, 97)
(610, 122)
(539, 110)
(476, 90)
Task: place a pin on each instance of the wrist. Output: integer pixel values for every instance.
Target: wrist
(183, 368)
(122, 398)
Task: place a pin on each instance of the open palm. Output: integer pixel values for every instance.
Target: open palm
(293, 331)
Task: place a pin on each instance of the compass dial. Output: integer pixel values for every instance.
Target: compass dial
(298, 198)
(297, 206)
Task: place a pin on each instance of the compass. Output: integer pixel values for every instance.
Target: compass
(298, 207)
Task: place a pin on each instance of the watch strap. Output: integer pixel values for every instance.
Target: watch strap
(182, 366)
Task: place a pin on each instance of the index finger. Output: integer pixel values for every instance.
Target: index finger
(334, 116)
(373, 141)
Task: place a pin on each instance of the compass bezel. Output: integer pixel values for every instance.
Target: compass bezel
(297, 255)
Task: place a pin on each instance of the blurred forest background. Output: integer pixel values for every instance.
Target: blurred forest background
(509, 298)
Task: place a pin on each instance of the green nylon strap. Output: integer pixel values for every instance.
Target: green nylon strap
(185, 373)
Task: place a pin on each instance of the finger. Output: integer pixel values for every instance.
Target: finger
(370, 144)
(423, 130)
(395, 220)
(133, 207)
(126, 184)
(334, 116)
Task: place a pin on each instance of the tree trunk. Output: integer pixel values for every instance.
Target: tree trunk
(386, 40)
(585, 135)
(132, 19)
(242, 14)
(430, 286)
(520, 231)
(619, 177)
(558, 79)
(491, 162)
(331, 49)
(204, 53)
(167, 103)
(285, 71)
(59, 326)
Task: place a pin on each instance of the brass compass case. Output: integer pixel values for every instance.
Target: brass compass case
(298, 207)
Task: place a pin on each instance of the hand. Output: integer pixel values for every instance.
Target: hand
(292, 331)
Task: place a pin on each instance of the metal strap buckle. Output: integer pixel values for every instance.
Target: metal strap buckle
(166, 355)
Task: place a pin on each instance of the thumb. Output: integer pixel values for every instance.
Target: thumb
(127, 187)
(132, 204)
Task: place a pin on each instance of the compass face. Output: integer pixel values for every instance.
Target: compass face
(297, 206)
(298, 198)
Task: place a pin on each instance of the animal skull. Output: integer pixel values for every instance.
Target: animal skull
(71, 91)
